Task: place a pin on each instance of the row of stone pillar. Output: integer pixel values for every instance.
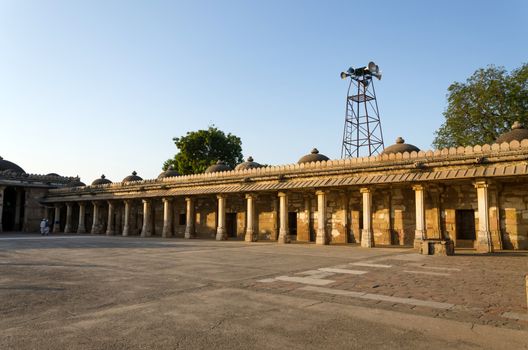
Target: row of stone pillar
(367, 237)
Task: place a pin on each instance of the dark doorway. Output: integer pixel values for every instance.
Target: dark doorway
(11, 217)
(465, 227)
(231, 225)
(292, 223)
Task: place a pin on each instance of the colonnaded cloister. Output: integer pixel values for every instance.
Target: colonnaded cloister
(476, 197)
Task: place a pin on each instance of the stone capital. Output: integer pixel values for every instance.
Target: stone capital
(365, 190)
(189, 199)
(418, 187)
(321, 192)
(167, 199)
(145, 201)
(481, 184)
(282, 194)
(250, 195)
(221, 196)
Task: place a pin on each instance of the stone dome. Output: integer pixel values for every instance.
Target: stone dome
(219, 166)
(53, 174)
(518, 132)
(170, 172)
(101, 181)
(248, 164)
(7, 165)
(314, 156)
(132, 177)
(76, 183)
(400, 146)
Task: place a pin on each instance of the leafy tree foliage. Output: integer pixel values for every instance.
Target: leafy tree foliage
(484, 107)
(202, 148)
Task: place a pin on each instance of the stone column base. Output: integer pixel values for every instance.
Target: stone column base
(417, 244)
(367, 239)
(284, 237)
(321, 237)
(189, 234)
(81, 230)
(483, 243)
(250, 236)
(221, 234)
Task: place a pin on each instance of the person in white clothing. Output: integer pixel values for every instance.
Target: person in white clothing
(43, 227)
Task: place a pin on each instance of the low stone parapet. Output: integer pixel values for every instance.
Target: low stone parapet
(437, 247)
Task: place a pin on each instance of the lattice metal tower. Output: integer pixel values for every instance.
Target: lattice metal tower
(362, 134)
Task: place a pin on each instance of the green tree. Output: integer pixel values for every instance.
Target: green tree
(484, 107)
(202, 148)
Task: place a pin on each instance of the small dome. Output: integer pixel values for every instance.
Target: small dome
(53, 174)
(314, 156)
(400, 146)
(170, 172)
(518, 132)
(7, 165)
(76, 183)
(248, 164)
(101, 181)
(219, 166)
(132, 177)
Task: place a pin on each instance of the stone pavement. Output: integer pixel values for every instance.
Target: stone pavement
(96, 292)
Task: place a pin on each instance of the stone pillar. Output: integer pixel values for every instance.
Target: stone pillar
(18, 208)
(419, 233)
(110, 227)
(321, 237)
(56, 221)
(367, 238)
(167, 218)
(189, 224)
(284, 229)
(1, 205)
(95, 223)
(81, 228)
(126, 224)
(483, 243)
(251, 234)
(68, 226)
(221, 234)
(146, 230)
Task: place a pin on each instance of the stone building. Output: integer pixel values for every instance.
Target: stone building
(20, 195)
(475, 196)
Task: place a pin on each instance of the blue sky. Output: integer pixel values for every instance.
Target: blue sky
(92, 87)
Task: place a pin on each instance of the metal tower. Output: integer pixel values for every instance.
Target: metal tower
(362, 134)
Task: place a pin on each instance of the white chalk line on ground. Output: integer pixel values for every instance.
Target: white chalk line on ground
(371, 265)
(343, 271)
(427, 273)
(379, 297)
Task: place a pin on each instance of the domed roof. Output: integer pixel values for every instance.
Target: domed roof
(518, 132)
(219, 166)
(400, 146)
(76, 183)
(168, 173)
(101, 181)
(314, 156)
(53, 174)
(248, 164)
(132, 177)
(7, 165)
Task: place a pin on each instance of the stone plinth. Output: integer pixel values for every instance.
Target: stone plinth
(437, 247)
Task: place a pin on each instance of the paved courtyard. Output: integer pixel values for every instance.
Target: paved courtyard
(96, 292)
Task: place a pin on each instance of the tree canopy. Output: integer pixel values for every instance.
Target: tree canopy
(200, 149)
(483, 107)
